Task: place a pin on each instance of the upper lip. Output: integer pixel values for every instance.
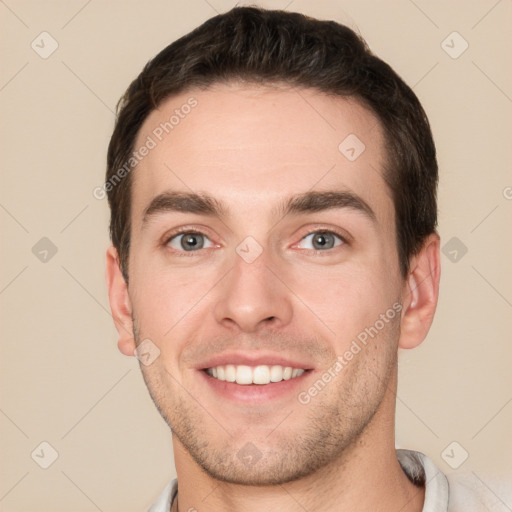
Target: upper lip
(248, 359)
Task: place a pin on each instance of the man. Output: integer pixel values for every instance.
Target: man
(272, 187)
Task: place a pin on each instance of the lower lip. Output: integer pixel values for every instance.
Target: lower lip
(256, 393)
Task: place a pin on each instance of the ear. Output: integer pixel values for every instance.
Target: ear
(120, 303)
(420, 293)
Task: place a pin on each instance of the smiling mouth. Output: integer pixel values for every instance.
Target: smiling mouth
(261, 374)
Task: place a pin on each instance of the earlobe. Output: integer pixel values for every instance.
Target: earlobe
(420, 294)
(120, 303)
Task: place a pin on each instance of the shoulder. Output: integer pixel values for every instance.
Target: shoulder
(455, 492)
(469, 492)
(164, 501)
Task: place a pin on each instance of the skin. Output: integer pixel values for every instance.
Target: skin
(252, 147)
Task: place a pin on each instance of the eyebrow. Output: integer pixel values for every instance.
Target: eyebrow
(184, 202)
(315, 201)
(307, 202)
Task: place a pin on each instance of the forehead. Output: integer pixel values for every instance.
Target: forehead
(251, 145)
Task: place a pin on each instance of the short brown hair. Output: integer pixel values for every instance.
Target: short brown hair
(271, 46)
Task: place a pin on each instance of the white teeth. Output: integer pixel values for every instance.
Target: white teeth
(276, 373)
(262, 374)
(230, 372)
(243, 374)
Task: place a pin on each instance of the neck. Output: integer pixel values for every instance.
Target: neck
(366, 477)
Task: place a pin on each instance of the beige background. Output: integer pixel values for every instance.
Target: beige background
(63, 380)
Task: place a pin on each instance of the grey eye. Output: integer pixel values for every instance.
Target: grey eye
(190, 241)
(321, 240)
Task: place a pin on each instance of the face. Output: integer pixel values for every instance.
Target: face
(262, 252)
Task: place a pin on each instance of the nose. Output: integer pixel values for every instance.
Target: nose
(251, 297)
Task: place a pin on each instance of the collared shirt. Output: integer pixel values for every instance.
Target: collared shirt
(440, 496)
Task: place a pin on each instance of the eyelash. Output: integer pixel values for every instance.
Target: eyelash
(181, 231)
(334, 232)
(192, 231)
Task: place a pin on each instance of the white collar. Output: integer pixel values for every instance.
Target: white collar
(417, 466)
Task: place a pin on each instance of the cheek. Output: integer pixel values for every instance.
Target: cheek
(165, 299)
(347, 300)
